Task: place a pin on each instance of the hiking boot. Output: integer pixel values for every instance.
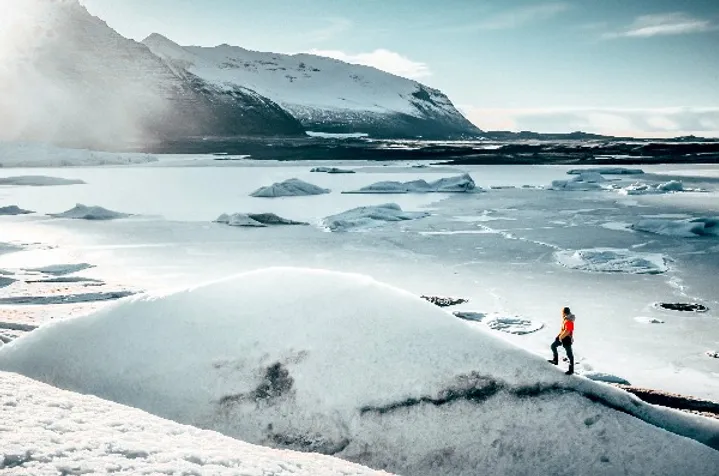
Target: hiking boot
(553, 362)
(570, 371)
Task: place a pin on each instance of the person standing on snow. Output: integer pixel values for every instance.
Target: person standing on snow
(565, 339)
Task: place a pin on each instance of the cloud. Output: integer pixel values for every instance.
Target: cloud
(334, 27)
(385, 60)
(663, 24)
(517, 17)
(650, 122)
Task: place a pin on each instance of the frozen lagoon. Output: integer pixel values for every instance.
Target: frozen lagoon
(497, 249)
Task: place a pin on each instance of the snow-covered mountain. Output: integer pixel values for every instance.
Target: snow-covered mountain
(324, 94)
(68, 77)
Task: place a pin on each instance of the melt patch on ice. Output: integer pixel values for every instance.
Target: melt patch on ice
(38, 181)
(608, 260)
(648, 320)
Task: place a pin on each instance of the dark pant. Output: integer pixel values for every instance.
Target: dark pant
(567, 344)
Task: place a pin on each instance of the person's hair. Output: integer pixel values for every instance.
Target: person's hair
(566, 311)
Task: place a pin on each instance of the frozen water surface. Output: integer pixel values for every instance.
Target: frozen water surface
(498, 249)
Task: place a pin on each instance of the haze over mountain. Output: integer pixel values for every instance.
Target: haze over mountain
(71, 79)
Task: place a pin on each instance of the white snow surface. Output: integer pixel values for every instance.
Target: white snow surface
(607, 171)
(309, 86)
(38, 181)
(460, 183)
(608, 260)
(293, 187)
(370, 217)
(263, 358)
(29, 154)
(47, 431)
(689, 228)
(84, 212)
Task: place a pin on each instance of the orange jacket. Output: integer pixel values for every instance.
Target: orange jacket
(567, 328)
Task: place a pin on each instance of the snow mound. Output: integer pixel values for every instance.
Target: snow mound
(704, 226)
(648, 320)
(26, 154)
(102, 437)
(370, 217)
(84, 212)
(604, 377)
(255, 220)
(584, 181)
(289, 188)
(379, 377)
(332, 170)
(38, 181)
(461, 183)
(513, 325)
(62, 269)
(639, 188)
(608, 260)
(607, 171)
(14, 210)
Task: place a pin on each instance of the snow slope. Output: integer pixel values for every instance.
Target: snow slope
(47, 431)
(378, 377)
(324, 94)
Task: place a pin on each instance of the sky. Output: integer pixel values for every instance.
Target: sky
(638, 67)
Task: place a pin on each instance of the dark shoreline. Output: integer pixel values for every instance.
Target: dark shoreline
(450, 152)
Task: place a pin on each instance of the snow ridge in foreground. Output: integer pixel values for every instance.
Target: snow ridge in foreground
(380, 377)
(53, 431)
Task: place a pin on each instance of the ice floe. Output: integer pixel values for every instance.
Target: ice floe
(460, 183)
(607, 171)
(641, 188)
(370, 217)
(609, 260)
(255, 220)
(585, 181)
(28, 154)
(332, 170)
(378, 378)
(14, 210)
(293, 187)
(688, 228)
(648, 320)
(64, 298)
(84, 212)
(38, 181)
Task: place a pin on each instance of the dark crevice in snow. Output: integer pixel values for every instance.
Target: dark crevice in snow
(477, 388)
(444, 301)
(679, 402)
(311, 443)
(276, 383)
(682, 307)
